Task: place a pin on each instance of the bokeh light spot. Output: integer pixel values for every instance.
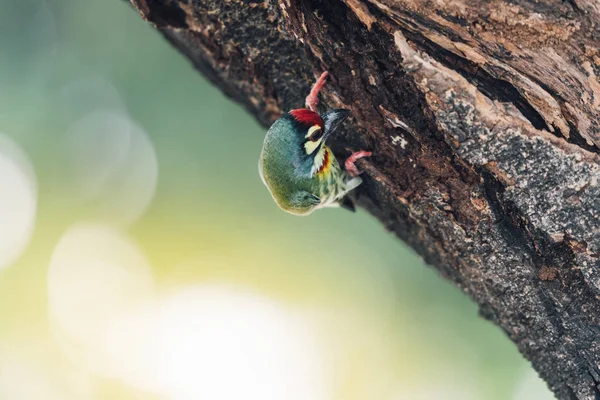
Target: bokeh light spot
(220, 343)
(113, 166)
(90, 93)
(96, 274)
(18, 201)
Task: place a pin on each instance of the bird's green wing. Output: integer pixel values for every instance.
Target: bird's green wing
(302, 198)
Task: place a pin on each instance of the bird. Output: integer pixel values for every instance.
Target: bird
(300, 171)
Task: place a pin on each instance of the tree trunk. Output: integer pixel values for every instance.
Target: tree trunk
(483, 117)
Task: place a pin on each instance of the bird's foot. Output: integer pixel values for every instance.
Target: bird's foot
(349, 164)
(312, 100)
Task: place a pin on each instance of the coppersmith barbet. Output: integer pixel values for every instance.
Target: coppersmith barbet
(296, 165)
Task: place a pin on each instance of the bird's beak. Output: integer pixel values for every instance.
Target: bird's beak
(332, 120)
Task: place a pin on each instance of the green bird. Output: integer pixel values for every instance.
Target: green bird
(296, 165)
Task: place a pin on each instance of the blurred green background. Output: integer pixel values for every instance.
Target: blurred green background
(142, 258)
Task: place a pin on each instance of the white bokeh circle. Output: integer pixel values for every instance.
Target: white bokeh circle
(91, 93)
(112, 165)
(96, 275)
(18, 201)
(221, 343)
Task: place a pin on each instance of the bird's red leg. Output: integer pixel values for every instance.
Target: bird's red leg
(312, 100)
(349, 164)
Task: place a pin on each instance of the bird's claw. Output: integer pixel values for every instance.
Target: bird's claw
(312, 100)
(349, 164)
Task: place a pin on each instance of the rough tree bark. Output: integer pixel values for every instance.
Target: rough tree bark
(484, 120)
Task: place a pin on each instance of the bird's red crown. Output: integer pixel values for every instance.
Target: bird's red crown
(307, 117)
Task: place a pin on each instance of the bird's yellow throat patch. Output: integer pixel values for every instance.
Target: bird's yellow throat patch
(323, 162)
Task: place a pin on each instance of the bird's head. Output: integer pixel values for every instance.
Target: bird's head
(306, 132)
(312, 129)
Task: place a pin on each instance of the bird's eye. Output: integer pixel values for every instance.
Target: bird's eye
(315, 133)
